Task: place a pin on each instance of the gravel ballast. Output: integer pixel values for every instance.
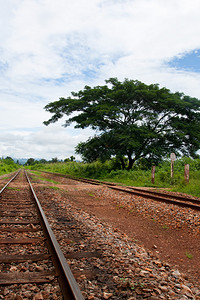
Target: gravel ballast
(124, 269)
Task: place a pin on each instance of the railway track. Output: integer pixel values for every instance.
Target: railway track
(30, 254)
(169, 198)
(65, 202)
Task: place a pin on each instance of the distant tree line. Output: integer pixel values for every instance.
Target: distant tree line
(32, 161)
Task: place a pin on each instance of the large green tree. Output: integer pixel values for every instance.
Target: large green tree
(133, 120)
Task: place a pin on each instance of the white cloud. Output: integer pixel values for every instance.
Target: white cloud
(42, 143)
(48, 49)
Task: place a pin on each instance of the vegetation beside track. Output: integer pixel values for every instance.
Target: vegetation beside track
(8, 165)
(140, 175)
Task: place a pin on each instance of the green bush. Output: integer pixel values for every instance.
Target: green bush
(7, 166)
(107, 171)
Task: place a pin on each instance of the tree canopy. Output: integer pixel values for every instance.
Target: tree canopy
(134, 120)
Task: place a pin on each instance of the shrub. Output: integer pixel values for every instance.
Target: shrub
(136, 176)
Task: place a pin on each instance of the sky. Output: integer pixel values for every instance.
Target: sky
(50, 48)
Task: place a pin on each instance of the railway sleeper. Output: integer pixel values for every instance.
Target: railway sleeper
(23, 258)
(17, 229)
(22, 241)
(26, 277)
(19, 222)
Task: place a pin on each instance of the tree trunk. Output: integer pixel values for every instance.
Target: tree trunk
(122, 163)
(130, 162)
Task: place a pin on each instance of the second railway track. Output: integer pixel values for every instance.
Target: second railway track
(170, 198)
(29, 252)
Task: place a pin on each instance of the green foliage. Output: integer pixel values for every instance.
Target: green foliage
(54, 188)
(89, 170)
(135, 120)
(165, 227)
(108, 171)
(188, 255)
(12, 188)
(95, 148)
(37, 175)
(8, 166)
(72, 158)
(30, 161)
(9, 161)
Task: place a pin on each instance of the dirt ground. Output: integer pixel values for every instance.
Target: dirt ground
(178, 246)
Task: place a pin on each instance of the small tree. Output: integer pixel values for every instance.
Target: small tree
(42, 161)
(30, 162)
(54, 160)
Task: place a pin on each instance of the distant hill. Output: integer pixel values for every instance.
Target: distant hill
(21, 161)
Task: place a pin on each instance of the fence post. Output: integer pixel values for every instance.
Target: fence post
(153, 174)
(173, 158)
(187, 171)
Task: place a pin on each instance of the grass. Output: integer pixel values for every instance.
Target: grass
(165, 227)
(53, 188)
(91, 195)
(12, 188)
(193, 188)
(38, 176)
(189, 255)
(6, 177)
(119, 206)
(136, 177)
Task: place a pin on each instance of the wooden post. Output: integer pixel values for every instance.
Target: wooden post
(173, 158)
(153, 174)
(172, 168)
(187, 169)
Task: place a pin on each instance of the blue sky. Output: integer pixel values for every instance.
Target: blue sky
(189, 62)
(50, 48)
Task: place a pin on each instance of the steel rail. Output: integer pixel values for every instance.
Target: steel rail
(170, 200)
(69, 286)
(154, 195)
(178, 197)
(157, 196)
(5, 186)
